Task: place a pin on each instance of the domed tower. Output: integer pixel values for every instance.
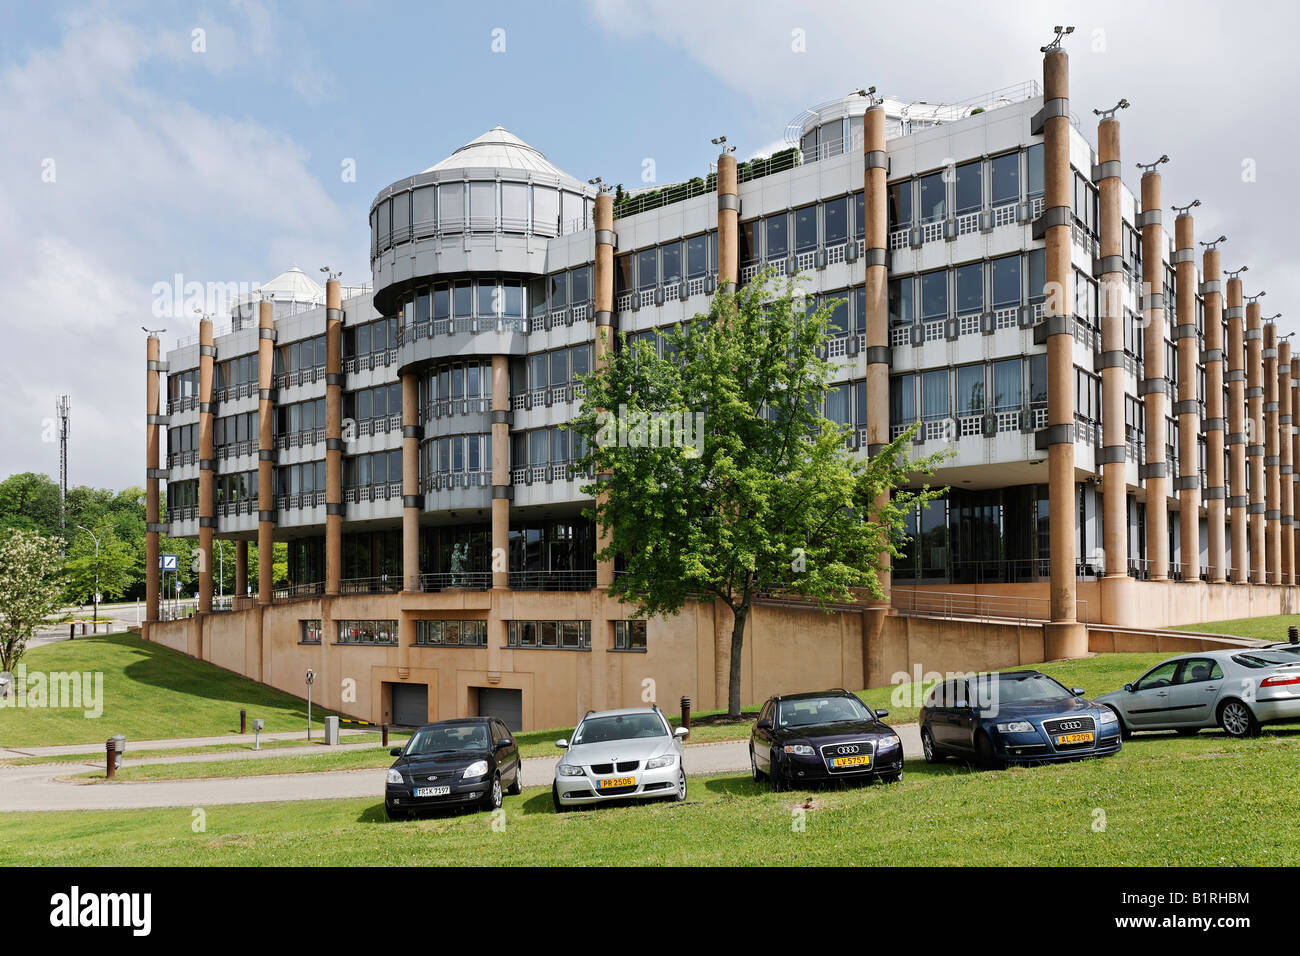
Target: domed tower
(474, 258)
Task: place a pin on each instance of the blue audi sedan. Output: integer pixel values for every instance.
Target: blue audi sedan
(1014, 717)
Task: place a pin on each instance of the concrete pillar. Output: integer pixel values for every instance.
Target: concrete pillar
(603, 278)
(728, 221)
(502, 488)
(1272, 459)
(412, 500)
(241, 568)
(153, 365)
(1294, 398)
(334, 383)
(1187, 408)
(1255, 442)
(266, 516)
(1237, 497)
(1215, 490)
(1063, 636)
(1116, 586)
(1287, 505)
(1153, 384)
(876, 227)
(207, 516)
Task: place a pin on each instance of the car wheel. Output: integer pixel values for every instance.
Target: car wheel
(927, 747)
(517, 785)
(775, 775)
(555, 799)
(395, 814)
(1187, 731)
(494, 798)
(1237, 720)
(893, 777)
(753, 766)
(679, 795)
(985, 756)
(1124, 732)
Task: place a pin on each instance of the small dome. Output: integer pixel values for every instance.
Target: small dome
(499, 148)
(294, 286)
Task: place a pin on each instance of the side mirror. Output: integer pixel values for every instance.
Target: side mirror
(504, 742)
(682, 732)
(395, 752)
(1076, 691)
(562, 744)
(882, 713)
(764, 725)
(1129, 688)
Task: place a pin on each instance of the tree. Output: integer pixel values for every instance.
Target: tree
(30, 590)
(30, 501)
(721, 476)
(116, 566)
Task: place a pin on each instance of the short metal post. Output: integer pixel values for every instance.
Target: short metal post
(385, 732)
(1293, 634)
(686, 712)
(243, 721)
(72, 630)
(110, 752)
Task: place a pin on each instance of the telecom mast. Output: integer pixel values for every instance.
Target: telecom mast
(64, 407)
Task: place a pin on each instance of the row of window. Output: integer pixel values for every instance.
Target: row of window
(463, 299)
(570, 635)
(968, 389)
(453, 381)
(456, 454)
(451, 633)
(554, 292)
(548, 369)
(966, 188)
(376, 468)
(546, 446)
(365, 404)
(972, 287)
(690, 258)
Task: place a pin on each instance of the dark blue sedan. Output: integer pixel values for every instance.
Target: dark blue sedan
(1014, 717)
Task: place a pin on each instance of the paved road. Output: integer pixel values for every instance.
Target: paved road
(38, 787)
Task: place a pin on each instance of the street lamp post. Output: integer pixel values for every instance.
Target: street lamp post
(94, 621)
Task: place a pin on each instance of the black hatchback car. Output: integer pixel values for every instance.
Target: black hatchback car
(1014, 717)
(454, 763)
(820, 737)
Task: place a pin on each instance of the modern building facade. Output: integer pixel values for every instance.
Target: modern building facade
(1118, 413)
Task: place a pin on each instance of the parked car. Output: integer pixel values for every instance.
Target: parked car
(819, 737)
(1237, 690)
(1014, 717)
(454, 763)
(619, 755)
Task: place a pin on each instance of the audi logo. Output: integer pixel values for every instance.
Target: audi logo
(1071, 724)
(846, 750)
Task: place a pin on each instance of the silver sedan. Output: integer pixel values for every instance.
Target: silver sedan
(620, 754)
(1237, 690)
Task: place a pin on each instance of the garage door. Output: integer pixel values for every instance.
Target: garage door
(410, 704)
(508, 705)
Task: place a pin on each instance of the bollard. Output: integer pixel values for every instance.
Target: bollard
(243, 721)
(385, 741)
(72, 630)
(686, 712)
(110, 767)
(1293, 634)
(83, 628)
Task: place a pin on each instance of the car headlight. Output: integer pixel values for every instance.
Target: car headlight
(667, 760)
(1016, 727)
(803, 750)
(885, 743)
(1108, 717)
(569, 770)
(477, 769)
(395, 776)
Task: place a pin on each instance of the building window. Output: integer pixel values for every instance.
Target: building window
(309, 632)
(835, 225)
(368, 632)
(1004, 179)
(555, 635)
(970, 288)
(451, 633)
(900, 204)
(968, 191)
(629, 636)
(933, 197)
(934, 294)
(776, 228)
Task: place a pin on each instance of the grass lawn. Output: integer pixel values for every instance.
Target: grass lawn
(150, 692)
(1272, 628)
(1165, 800)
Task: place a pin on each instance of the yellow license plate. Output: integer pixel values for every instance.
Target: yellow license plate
(859, 761)
(610, 783)
(1074, 738)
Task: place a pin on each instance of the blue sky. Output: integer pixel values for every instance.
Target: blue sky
(224, 165)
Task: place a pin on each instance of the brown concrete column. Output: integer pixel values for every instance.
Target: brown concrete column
(153, 365)
(502, 488)
(1117, 587)
(603, 277)
(1153, 386)
(334, 382)
(1272, 459)
(241, 568)
(1237, 497)
(1187, 408)
(1287, 505)
(207, 518)
(728, 221)
(1255, 442)
(1063, 636)
(412, 500)
(1294, 398)
(1215, 490)
(876, 234)
(266, 516)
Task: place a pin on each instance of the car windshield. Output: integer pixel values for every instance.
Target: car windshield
(820, 710)
(447, 738)
(1265, 659)
(1019, 688)
(601, 730)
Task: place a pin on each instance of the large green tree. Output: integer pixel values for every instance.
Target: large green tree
(718, 475)
(30, 589)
